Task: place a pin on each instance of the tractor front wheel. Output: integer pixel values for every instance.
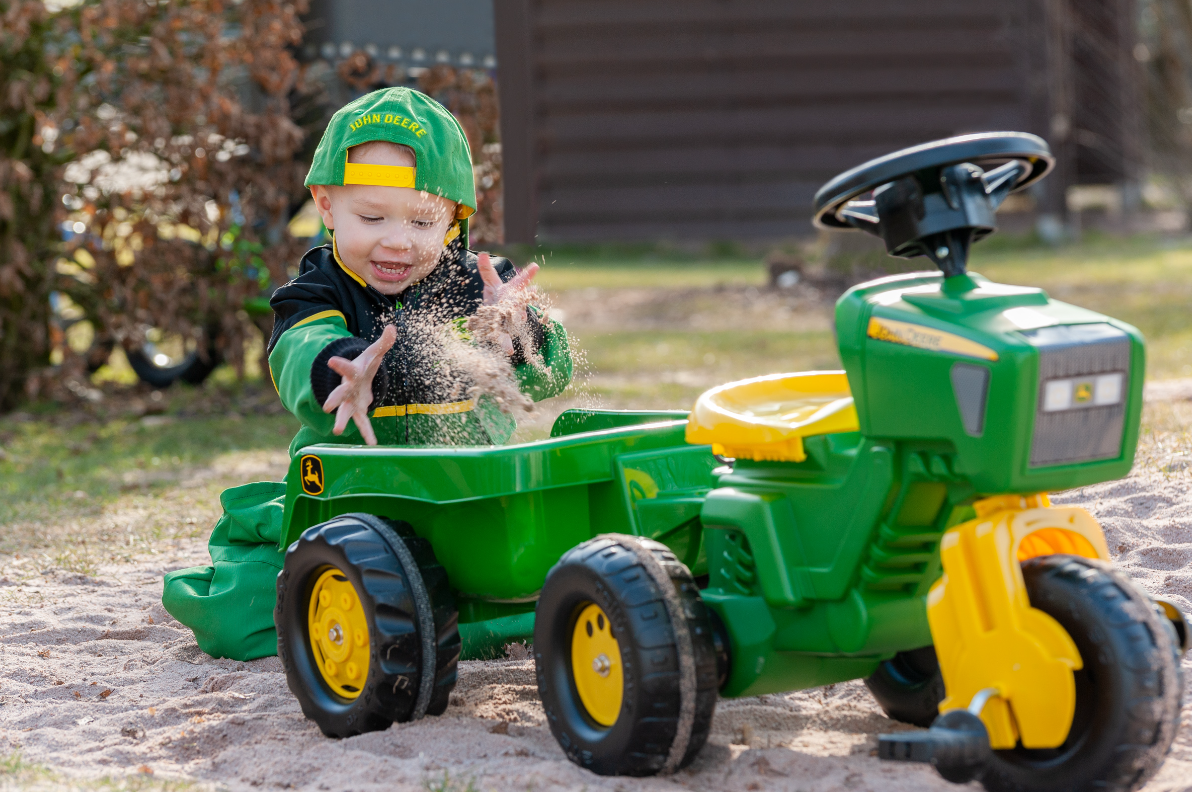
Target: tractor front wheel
(1127, 694)
(367, 629)
(625, 658)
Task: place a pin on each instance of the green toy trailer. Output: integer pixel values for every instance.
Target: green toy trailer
(888, 523)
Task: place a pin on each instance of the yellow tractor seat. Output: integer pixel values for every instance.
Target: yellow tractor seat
(766, 418)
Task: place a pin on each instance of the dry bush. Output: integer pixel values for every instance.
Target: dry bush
(174, 118)
(32, 93)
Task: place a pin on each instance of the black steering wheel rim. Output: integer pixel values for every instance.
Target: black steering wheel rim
(981, 149)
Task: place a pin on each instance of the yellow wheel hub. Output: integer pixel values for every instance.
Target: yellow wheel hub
(338, 633)
(596, 666)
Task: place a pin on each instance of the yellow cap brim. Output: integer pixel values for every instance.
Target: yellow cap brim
(391, 176)
(379, 175)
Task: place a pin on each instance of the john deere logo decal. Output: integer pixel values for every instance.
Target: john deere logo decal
(312, 475)
(1083, 392)
(926, 338)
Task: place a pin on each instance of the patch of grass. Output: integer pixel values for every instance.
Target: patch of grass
(59, 463)
(82, 560)
(667, 370)
(80, 467)
(637, 275)
(600, 253)
(732, 353)
(14, 768)
(18, 774)
(449, 784)
(626, 266)
(1146, 281)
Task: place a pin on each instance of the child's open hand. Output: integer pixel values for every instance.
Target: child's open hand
(354, 394)
(496, 290)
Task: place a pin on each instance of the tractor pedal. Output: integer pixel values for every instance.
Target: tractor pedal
(957, 745)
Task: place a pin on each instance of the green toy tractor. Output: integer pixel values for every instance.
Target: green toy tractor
(888, 523)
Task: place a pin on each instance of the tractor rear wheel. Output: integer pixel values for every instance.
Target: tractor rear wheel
(367, 629)
(909, 686)
(625, 658)
(1127, 693)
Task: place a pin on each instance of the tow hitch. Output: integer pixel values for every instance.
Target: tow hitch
(957, 744)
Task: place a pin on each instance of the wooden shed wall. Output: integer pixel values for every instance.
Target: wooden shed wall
(720, 119)
(648, 119)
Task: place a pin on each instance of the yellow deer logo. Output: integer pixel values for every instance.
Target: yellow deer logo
(312, 475)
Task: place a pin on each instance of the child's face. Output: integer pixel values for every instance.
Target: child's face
(392, 237)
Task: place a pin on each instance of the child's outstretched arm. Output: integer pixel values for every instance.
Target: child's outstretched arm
(352, 398)
(309, 329)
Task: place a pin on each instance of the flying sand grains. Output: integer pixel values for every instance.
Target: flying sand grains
(508, 317)
(474, 363)
(466, 360)
(490, 372)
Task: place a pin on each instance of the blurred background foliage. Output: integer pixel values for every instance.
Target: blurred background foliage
(141, 142)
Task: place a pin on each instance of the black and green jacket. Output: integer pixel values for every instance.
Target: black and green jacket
(330, 311)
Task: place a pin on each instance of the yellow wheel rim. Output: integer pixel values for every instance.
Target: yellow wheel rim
(596, 666)
(338, 633)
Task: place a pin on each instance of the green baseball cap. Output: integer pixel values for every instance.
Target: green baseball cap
(409, 118)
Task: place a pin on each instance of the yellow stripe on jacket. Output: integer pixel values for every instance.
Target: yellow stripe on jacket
(317, 317)
(447, 408)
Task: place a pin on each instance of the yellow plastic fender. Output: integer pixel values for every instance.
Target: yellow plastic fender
(986, 633)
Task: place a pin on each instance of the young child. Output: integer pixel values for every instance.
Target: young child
(354, 354)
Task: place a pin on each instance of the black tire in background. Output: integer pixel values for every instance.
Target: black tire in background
(666, 645)
(192, 369)
(1127, 693)
(411, 618)
(909, 686)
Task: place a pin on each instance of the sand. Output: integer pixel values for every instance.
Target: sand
(96, 680)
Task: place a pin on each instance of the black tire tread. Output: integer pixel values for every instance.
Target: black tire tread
(613, 559)
(447, 639)
(1128, 630)
(703, 647)
(390, 691)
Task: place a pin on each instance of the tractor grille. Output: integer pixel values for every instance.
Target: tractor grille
(1084, 380)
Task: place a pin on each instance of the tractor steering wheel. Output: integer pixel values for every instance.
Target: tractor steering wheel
(934, 199)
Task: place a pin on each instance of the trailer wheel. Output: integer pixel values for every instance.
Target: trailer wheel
(625, 658)
(1127, 694)
(909, 686)
(367, 629)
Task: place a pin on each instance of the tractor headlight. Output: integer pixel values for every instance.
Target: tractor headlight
(1081, 392)
(1083, 374)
